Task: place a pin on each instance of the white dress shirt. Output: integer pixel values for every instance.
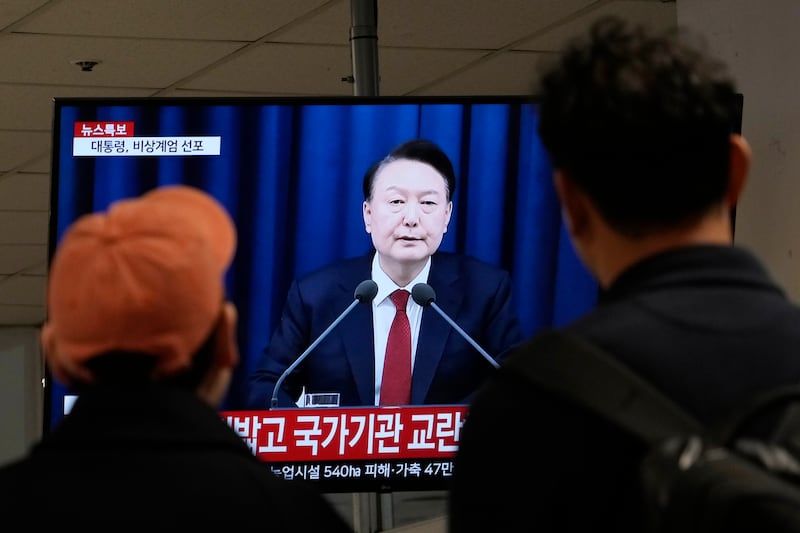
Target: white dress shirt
(383, 311)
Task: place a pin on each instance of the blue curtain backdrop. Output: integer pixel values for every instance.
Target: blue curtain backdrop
(290, 173)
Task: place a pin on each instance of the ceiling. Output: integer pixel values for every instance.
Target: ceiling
(190, 48)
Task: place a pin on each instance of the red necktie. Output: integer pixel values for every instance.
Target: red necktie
(396, 385)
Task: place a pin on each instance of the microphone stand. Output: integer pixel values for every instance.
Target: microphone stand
(465, 335)
(274, 400)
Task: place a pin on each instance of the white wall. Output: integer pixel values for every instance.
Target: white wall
(759, 41)
(21, 401)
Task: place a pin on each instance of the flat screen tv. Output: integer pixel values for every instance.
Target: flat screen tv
(289, 170)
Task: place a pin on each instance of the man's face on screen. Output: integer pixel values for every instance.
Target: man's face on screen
(408, 213)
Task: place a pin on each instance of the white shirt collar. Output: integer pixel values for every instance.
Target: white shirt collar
(385, 284)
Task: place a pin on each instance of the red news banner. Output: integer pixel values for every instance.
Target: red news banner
(356, 449)
(359, 433)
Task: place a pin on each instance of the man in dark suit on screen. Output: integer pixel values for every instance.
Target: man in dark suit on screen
(407, 208)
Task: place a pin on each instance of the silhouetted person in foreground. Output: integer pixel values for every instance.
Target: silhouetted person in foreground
(139, 326)
(639, 129)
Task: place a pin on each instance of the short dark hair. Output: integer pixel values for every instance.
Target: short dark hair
(416, 150)
(640, 122)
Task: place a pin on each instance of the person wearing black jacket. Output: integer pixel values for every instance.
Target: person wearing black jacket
(139, 328)
(648, 167)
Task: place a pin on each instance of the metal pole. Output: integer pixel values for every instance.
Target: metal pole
(364, 46)
(364, 54)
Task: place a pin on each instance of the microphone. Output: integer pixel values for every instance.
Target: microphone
(365, 293)
(425, 296)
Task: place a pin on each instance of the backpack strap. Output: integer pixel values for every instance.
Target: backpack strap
(587, 375)
(784, 400)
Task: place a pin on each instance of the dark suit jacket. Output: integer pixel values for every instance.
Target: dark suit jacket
(447, 368)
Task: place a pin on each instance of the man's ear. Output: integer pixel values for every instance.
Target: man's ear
(217, 380)
(573, 203)
(366, 211)
(64, 370)
(47, 342)
(740, 157)
(226, 344)
(46, 338)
